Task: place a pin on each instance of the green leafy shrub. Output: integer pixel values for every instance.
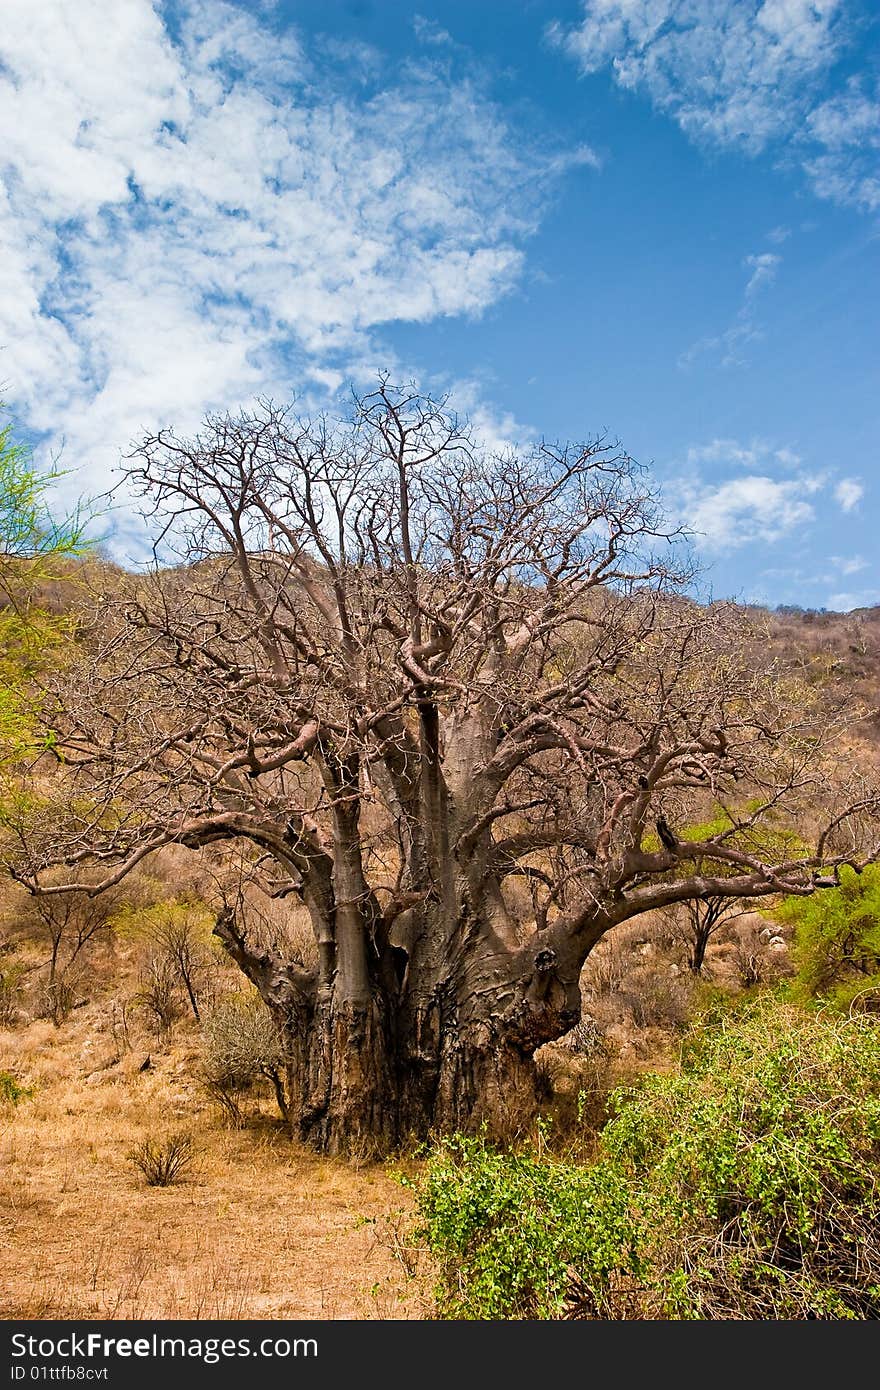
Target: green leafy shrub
(11, 1090)
(743, 1186)
(515, 1232)
(837, 939)
(33, 550)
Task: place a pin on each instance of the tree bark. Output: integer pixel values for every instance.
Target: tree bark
(441, 1045)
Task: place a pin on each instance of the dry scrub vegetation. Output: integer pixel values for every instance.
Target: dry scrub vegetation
(153, 1084)
(256, 1226)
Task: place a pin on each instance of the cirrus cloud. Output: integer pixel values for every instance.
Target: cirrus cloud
(746, 74)
(197, 208)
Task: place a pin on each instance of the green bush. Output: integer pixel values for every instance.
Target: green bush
(11, 1090)
(744, 1187)
(837, 939)
(512, 1231)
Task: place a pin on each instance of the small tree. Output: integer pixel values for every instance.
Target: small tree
(703, 918)
(69, 922)
(699, 919)
(176, 931)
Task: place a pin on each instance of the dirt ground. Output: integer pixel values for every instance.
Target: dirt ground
(260, 1228)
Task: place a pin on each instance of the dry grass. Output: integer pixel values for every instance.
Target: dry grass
(262, 1229)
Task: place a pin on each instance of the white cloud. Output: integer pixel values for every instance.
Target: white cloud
(747, 509)
(187, 220)
(743, 501)
(851, 564)
(845, 602)
(725, 454)
(429, 31)
(847, 130)
(728, 347)
(732, 72)
(742, 73)
(763, 268)
(849, 492)
(787, 457)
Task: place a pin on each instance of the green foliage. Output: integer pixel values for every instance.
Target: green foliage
(743, 1186)
(157, 921)
(837, 939)
(769, 836)
(27, 531)
(32, 549)
(509, 1230)
(12, 1091)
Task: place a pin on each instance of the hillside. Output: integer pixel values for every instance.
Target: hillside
(108, 1054)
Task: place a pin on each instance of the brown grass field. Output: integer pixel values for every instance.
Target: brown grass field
(260, 1228)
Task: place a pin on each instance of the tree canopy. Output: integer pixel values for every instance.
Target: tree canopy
(445, 700)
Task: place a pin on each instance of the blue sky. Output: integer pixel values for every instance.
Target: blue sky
(656, 218)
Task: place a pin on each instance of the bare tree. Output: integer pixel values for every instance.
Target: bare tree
(444, 697)
(699, 919)
(69, 923)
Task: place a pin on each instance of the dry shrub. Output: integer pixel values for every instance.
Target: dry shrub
(178, 974)
(658, 998)
(240, 1047)
(10, 995)
(575, 1086)
(57, 999)
(755, 956)
(164, 1162)
(158, 994)
(633, 979)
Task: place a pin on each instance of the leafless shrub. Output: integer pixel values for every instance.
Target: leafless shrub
(118, 1027)
(164, 1162)
(759, 957)
(606, 967)
(241, 1045)
(586, 1039)
(158, 994)
(176, 937)
(10, 996)
(657, 998)
(179, 970)
(57, 999)
(692, 925)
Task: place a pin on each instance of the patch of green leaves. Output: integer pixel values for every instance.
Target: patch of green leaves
(744, 1186)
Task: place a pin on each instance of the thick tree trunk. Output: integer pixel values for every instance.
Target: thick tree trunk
(445, 1048)
(356, 1088)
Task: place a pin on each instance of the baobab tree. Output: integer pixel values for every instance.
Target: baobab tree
(442, 698)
